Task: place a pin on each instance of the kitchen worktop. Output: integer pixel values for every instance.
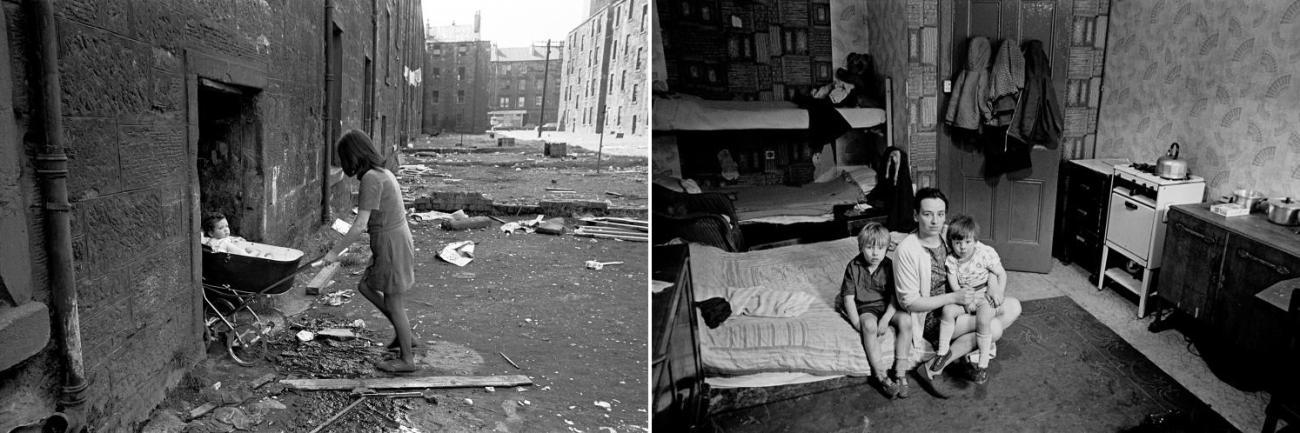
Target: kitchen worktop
(1254, 226)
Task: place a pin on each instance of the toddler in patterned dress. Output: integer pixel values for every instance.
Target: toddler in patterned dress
(972, 265)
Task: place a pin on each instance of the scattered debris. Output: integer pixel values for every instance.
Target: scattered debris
(202, 410)
(359, 323)
(469, 401)
(305, 336)
(337, 298)
(405, 382)
(458, 253)
(341, 226)
(431, 216)
(490, 389)
(503, 355)
(528, 226)
(464, 275)
(336, 333)
(339, 414)
(613, 193)
(592, 264)
(603, 404)
(263, 380)
(553, 226)
(477, 222)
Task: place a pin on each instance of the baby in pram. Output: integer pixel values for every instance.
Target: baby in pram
(216, 235)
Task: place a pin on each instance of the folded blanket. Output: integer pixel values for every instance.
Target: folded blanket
(759, 301)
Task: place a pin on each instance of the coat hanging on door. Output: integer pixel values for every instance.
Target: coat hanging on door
(1038, 117)
(968, 106)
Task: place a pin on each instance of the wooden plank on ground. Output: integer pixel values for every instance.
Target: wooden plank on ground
(617, 225)
(621, 237)
(623, 221)
(610, 231)
(323, 277)
(407, 382)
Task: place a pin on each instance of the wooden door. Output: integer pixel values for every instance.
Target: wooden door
(1017, 210)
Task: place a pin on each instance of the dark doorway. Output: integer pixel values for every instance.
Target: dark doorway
(229, 156)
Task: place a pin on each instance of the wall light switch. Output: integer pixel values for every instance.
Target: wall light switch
(947, 86)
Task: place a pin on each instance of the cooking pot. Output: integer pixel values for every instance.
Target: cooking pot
(1247, 198)
(1284, 211)
(1170, 167)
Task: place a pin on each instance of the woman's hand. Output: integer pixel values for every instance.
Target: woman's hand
(882, 327)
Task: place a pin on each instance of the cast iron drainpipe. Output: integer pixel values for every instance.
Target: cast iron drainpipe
(330, 76)
(52, 166)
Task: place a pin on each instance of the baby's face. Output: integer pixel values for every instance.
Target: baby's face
(963, 248)
(220, 230)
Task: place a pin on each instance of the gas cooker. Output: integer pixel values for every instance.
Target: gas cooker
(1145, 175)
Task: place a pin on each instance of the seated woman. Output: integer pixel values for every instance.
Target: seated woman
(216, 235)
(921, 277)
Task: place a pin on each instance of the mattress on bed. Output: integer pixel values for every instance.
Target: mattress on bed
(689, 113)
(819, 341)
(809, 200)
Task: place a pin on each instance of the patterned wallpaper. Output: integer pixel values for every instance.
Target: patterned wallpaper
(887, 37)
(1215, 77)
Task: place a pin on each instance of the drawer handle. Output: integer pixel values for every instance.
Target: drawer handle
(1204, 238)
(1130, 205)
(1281, 270)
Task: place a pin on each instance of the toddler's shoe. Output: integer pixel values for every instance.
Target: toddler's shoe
(900, 378)
(979, 374)
(887, 386)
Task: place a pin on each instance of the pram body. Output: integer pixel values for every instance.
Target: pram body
(231, 281)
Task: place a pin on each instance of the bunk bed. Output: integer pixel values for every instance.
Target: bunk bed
(754, 131)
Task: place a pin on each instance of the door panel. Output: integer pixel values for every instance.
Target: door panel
(1017, 211)
(1026, 199)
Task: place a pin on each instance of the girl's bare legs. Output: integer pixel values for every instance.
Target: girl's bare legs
(402, 327)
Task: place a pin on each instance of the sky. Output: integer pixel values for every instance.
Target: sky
(511, 23)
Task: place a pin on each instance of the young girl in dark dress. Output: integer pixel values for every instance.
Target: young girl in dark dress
(380, 211)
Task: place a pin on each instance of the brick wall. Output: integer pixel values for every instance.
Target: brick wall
(127, 70)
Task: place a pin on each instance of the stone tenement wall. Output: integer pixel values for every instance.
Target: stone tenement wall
(608, 51)
(504, 91)
(456, 77)
(128, 75)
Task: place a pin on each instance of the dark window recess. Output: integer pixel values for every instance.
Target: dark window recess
(821, 14)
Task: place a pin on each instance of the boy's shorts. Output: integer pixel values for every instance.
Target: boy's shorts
(877, 308)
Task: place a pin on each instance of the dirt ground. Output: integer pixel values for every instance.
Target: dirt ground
(578, 334)
(521, 174)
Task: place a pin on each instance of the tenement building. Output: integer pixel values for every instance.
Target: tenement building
(605, 71)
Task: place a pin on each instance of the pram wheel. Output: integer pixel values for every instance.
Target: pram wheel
(242, 352)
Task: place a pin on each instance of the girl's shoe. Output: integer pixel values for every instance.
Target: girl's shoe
(979, 374)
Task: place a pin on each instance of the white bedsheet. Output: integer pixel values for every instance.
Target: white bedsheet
(689, 113)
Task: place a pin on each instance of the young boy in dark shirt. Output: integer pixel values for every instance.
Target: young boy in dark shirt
(868, 293)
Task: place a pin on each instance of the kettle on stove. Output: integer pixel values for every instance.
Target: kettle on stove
(1170, 167)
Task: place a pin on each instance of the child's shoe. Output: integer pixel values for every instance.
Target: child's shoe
(979, 375)
(904, 390)
(888, 387)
